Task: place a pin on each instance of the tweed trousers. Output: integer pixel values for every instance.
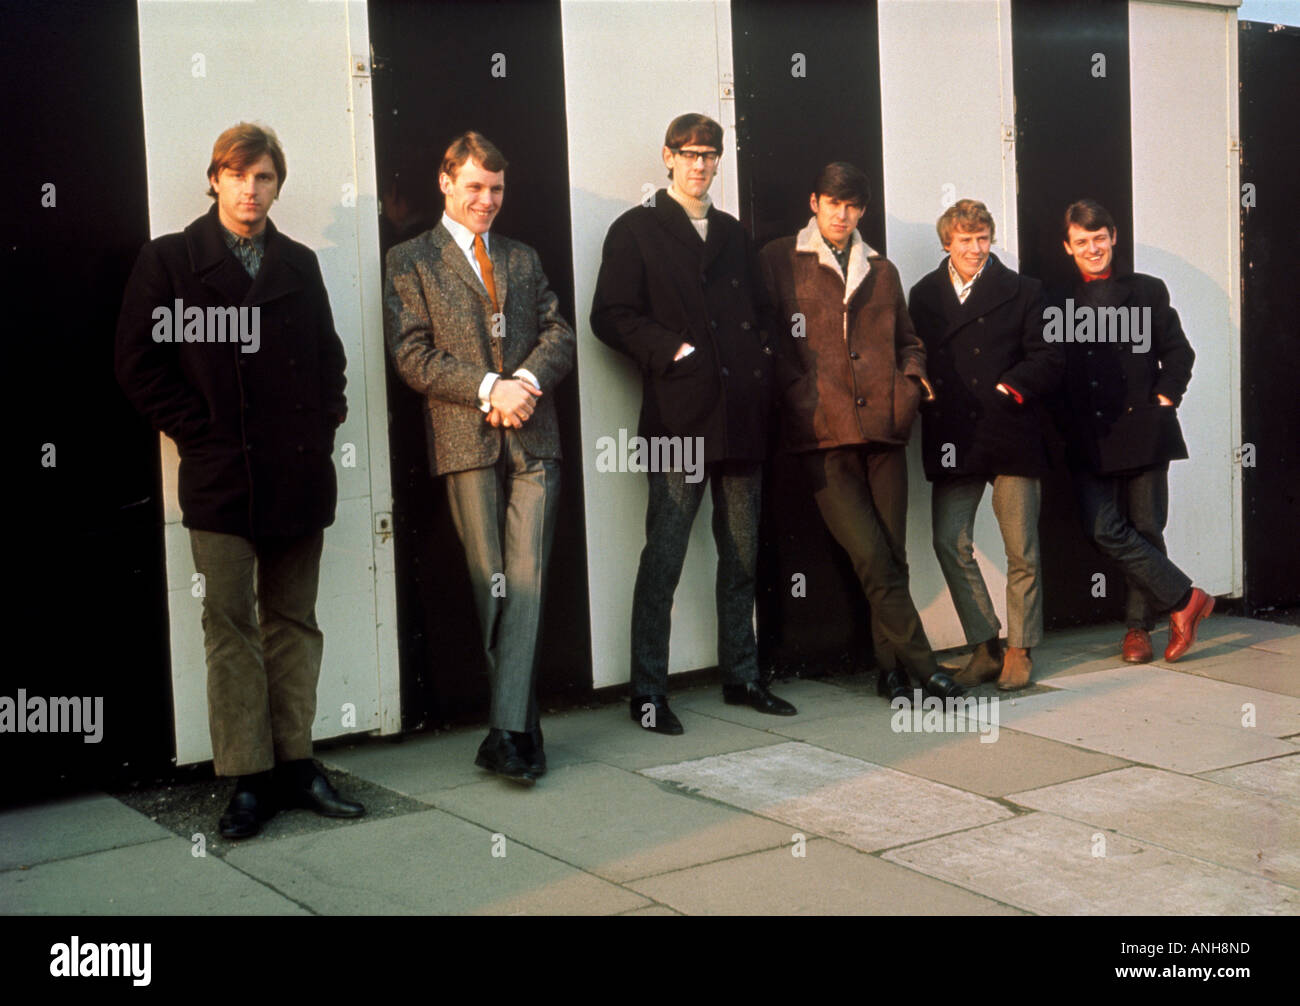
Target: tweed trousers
(737, 491)
(1017, 500)
(505, 516)
(262, 671)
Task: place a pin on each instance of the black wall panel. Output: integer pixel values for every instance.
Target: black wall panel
(433, 80)
(1072, 142)
(789, 126)
(1269, 66)
(86, 605)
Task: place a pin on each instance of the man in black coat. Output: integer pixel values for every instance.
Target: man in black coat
(1127, 367)
(678, 292)
(226, 344)
(982, 325)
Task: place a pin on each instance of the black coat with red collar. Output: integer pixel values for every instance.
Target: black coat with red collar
(255, 430)
(1109, 410)
(660, 285)
(971, 428)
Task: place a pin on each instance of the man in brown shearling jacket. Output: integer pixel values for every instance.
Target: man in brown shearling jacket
(852, 373)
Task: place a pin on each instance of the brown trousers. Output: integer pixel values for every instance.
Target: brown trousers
(262, 671)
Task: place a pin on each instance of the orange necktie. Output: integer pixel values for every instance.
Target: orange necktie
(485, 266)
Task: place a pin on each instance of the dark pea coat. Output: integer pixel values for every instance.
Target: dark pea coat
(995, 337)
(1108, 413)
(255, 430)
(660, 285)
(846, 362)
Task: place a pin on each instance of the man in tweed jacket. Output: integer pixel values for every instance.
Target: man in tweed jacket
(473, 325)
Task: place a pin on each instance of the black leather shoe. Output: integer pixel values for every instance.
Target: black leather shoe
(942, 686)
(312, 791)
(755, 695)
(500, 753)
(530, 748)
(894, 684)
(660, 718)
(245, 813)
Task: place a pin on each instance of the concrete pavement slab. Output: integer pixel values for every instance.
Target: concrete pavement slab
(1160, 717)
(829, 879)
(1051, 866)
(1250, 666)
(162, 877)
(1015, 761)
(814, 790)
(612, 822)
(427, 863)
(1276, 777)
(608, 735)
(71, 827)
(1231, 827)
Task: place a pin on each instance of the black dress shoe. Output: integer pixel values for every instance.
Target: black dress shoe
(500, 753)
(530, 747)
(942, 686)
(894, 684)
(755, 695)
(658, 718)
(245, 813)
(305, 786)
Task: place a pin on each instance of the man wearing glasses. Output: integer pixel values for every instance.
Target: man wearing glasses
(678, 292)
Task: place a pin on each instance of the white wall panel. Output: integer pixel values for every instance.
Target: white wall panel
(947, 120)
(295, 68)
(1186, 226)
(630, 68)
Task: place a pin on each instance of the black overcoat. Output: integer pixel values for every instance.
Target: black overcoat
(660, 285)
(255, 430)
(995, 337)
(1108, 412)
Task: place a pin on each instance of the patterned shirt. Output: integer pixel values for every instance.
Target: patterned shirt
(249, 251)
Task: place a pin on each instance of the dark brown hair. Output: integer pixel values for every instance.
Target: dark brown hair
(845, 182)
(1088, 214)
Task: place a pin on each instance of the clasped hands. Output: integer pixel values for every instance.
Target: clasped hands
(513, 401)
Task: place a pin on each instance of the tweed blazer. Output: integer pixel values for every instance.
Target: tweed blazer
(443, 337)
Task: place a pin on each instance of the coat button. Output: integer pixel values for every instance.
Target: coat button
(977, 349)
(1097, 414)
(735, 282)
(767, 350)
(713, 324)
(973, 416)
(853, 355)
(746, 326)
(981, 322)
(861, 402)
(758, 374)
(1092, 384)
(974, 382)
(726, 372)
(301, 449)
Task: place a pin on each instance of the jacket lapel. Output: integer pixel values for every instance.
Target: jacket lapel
(674, 220)
(214, 263)
(276, 276)
(453, 257)
(809, 241)
(995, 286)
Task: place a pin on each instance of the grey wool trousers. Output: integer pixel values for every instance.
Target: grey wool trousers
(505, 516)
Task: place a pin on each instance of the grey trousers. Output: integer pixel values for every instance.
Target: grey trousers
(737, 491)
(1016, 503)
(505, 516)
(263, 647)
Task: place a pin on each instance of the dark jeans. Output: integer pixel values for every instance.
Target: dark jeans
(1125, 517)
(736, 487)
(862, 495)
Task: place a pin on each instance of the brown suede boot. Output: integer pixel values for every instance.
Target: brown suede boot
(1016, 669)
(984, 665)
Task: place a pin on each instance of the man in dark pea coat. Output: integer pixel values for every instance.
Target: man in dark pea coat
(983, 329)
(678, 292)
(226, 343)
(1128, 365)
(851, 371)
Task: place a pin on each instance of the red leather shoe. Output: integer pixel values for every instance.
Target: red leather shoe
(1183, 623)
(1137, 647)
